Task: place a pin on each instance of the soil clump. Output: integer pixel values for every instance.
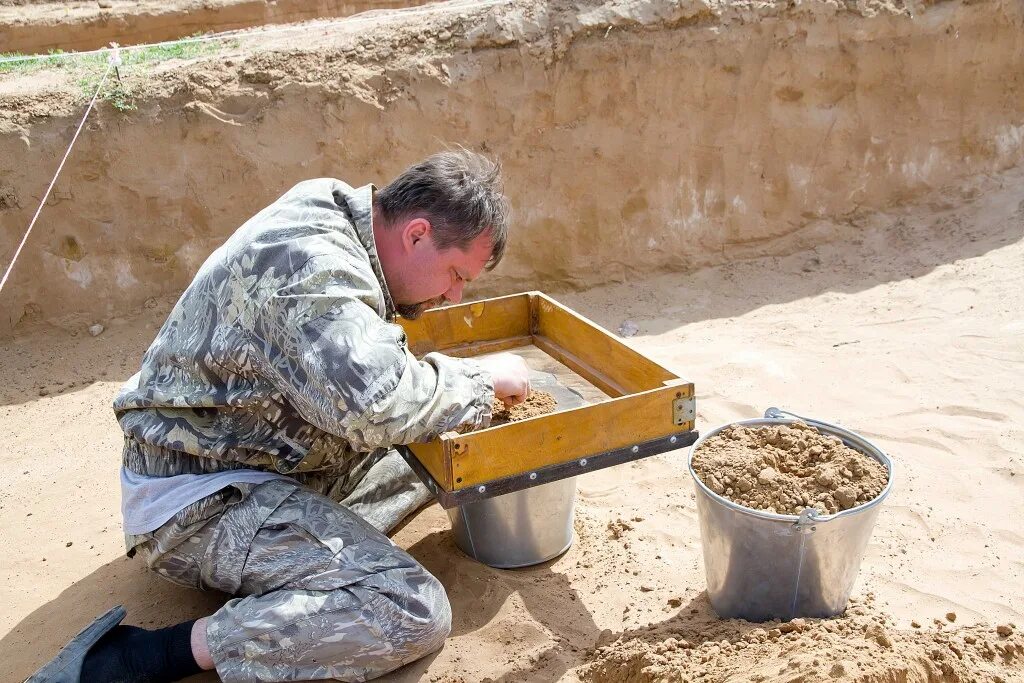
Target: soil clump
(788, 468)
(862, 645)
(537, 403)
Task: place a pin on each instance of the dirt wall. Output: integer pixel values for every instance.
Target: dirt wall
(634, 137)
(38, 27)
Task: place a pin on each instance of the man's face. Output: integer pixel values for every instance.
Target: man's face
(430, 277)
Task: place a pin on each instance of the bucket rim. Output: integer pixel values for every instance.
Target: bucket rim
(848, 436)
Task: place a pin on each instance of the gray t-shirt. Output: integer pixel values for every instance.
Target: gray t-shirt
(147, 503)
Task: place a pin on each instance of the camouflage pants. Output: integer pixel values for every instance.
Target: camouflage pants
(323, 593)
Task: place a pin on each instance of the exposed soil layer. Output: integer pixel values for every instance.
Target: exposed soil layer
(791, 124)
(863, 645)
(537, 403)
(787, 468)
(38, 27)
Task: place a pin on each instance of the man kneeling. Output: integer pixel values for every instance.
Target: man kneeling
(258, 433)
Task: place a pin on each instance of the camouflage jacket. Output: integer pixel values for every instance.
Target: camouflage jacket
(282, 355)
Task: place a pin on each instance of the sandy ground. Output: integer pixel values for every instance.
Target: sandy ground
(911, 333)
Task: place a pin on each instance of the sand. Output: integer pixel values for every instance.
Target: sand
(824, 211)
(911, 333)
(537, 403)
(862, 645)
(787, 469)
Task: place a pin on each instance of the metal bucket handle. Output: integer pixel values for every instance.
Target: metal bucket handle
(778, 413)
(805, 524)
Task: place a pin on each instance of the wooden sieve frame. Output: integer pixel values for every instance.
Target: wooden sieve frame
(651, 410)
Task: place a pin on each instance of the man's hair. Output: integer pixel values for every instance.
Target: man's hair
(459, 192)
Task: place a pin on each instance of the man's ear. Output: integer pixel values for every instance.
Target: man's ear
(415, 230)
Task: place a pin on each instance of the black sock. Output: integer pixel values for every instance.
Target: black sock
(134, 655)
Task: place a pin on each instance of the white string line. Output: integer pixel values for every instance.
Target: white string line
(46, 195)
(255, 32)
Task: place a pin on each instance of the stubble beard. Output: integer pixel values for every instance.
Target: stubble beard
(413, 311)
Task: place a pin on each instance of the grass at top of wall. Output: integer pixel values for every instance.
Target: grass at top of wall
(87, 69)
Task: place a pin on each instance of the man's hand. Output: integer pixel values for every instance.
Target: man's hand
(510, 375)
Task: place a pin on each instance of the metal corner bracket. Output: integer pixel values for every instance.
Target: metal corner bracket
(684, 410)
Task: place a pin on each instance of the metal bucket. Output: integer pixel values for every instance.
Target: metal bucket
(761, 565)
(517, 529)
